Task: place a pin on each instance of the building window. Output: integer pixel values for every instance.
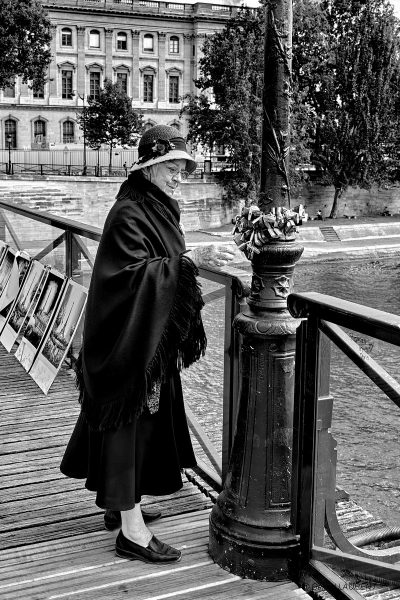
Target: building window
(66, 37)
(174, 89)
(38, 91)
(94, 84)
(10, 131)
(122, 81)
(94, 39)
(39, 132)
(9, 91)
(148, 86)
(148, 43)
(66, 84)
(68, 132)
(174, 44)
(122, 43)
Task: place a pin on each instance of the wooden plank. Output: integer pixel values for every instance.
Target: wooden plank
(192, 521)
(53, 543)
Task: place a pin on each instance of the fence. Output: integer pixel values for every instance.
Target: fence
(315, 446)
(72, 239)
(72, 162)
(69, 156)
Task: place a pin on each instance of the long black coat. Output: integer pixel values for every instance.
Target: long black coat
(143, 308)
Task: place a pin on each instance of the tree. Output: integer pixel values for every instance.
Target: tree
(24, 42)
(344, 93)
(357, 124)
(110, 119)
(227, 112)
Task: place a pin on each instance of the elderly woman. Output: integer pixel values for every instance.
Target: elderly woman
(142, 326)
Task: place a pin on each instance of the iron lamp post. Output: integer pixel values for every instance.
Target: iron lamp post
(252, 524)
(9, 142)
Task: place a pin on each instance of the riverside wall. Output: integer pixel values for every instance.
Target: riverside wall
(202, 202)
(355, 202)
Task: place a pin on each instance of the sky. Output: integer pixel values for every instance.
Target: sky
(396, 3)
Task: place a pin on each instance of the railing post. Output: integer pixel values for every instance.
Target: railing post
(72, 258)
(2, 226)
(323, 443)
(310, 349)
(73, 271)
(234, 300)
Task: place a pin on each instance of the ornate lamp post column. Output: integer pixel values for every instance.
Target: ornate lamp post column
(9, 142)
(251, 525)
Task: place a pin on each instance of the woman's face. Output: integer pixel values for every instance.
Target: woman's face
(166, 175)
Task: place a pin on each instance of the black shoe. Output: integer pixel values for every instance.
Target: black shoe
(155, 552)
(112, 518)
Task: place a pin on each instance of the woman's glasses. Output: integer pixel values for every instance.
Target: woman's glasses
(184, 174)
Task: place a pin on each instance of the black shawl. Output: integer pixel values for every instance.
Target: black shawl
(143, 308)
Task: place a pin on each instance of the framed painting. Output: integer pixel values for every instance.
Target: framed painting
(35, 325)
(10, 291)
(24, 304)
(3, 248)
(6, 268)
(59, 335)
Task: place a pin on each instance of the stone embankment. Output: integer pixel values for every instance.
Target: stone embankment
(322, 241)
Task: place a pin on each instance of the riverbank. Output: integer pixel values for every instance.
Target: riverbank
(329, 240)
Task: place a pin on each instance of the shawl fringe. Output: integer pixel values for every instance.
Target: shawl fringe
(183, 339)
(184, 335)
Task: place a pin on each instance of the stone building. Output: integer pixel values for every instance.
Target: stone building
(151, 47)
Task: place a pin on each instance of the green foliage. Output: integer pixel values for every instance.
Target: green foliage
(24, 42)
(228, 110)
(110, 119)
(345, 97)
(357, 125)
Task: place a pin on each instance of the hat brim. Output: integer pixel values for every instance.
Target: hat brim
(172, 155)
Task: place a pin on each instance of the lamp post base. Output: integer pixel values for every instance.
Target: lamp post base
(246, 555)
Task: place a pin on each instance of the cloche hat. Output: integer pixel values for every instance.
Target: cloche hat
(159, 144)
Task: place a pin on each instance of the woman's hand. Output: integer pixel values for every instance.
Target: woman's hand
(213, 256)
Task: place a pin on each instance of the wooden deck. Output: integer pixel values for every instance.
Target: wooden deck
(52, 541)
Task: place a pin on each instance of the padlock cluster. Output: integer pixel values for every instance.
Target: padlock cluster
(255, 229)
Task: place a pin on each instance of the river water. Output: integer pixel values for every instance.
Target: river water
(365, 422)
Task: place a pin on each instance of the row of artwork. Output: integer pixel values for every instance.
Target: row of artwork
(40, 310)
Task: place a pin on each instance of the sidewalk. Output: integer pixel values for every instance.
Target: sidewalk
(369, 237)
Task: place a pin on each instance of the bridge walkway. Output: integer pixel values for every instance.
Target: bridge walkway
(52, 541)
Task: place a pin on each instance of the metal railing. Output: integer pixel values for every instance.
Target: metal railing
(44, 169)
(314, 445)
(68, 170)
(232, 288)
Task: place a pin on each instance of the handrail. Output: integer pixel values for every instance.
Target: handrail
(386, 326)
(314, 445)
(75, 227)
(235, 289)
